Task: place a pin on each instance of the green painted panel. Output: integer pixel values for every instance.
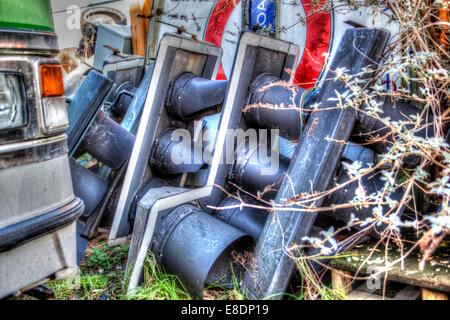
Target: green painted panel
(26, 14)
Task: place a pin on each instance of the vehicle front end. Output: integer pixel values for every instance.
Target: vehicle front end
(38, 209)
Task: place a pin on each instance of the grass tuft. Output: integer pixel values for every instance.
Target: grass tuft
(159, 285)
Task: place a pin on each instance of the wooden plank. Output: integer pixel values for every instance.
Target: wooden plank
(432, 277)
(433, 295)
(341, 281)
(138, 28)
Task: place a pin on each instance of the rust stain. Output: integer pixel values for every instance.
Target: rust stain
(313, 126)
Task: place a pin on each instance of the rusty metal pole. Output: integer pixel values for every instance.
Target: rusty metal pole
(314, 164)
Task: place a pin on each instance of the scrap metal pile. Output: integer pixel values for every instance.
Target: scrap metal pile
(207, 174)
(180, 197)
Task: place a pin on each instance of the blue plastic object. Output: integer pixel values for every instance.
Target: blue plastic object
(85, 105)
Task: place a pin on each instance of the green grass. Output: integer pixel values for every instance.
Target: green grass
(102, 276)
(64, 289)
(218, 292)
(106, 258)
(87, 287)
(159, 285)
(312, 286)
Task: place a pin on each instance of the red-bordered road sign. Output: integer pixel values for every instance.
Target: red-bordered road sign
(316, 43)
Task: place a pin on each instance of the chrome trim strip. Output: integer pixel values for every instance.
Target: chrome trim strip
(14, 147)
(18, 154)
(22, 40)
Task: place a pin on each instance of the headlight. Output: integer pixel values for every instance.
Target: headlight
(12, 101)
